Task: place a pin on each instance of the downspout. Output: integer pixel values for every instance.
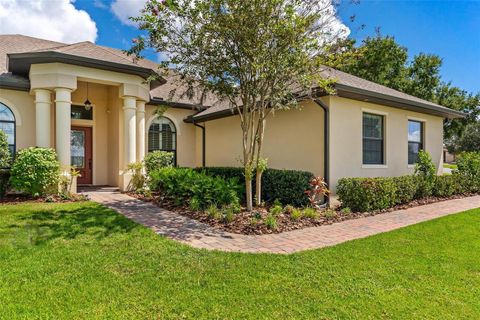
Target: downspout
(203, 142)
(326, 144)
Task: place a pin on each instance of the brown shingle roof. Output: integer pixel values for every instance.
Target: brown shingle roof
(174, 90)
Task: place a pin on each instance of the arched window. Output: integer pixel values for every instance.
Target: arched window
(7, 125)
(162, 135)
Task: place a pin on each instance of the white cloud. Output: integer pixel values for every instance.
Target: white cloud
(56, 20)
(124, 9)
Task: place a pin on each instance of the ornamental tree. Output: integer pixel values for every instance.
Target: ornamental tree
(258, 56)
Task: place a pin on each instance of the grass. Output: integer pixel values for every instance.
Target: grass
(450, 166)
(77, 261)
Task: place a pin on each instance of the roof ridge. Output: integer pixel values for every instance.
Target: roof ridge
(384, 86)
(118, 55)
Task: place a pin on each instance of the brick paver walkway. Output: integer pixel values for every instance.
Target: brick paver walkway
(200, 235)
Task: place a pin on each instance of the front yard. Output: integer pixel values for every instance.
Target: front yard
(82, 260)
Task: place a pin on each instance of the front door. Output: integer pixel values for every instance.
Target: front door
(81, 153)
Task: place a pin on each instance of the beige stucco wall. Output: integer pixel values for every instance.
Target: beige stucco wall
(22, 105)
(346, 139)
(293, 140)
(186, 139)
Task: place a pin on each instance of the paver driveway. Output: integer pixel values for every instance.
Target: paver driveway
(200, 235)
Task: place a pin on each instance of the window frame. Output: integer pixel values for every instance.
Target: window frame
(14, 122)
(421, 143)
(159, 132)
(383, 162)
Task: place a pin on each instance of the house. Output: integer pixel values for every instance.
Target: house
(92, 104)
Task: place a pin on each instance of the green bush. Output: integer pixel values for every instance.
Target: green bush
(406, 188)
(158, 159)
(183, 184)
(447, 186)
(286, 186)
(5, 162)
(468, 164)
(4, 178)
(367, 194)
(36, 172)
(426, 172)
(5, 156)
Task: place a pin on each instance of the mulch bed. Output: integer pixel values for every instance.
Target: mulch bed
(19, 199)
(243, 221)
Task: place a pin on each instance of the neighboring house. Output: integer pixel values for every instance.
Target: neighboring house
(365, 130)
(448, 157)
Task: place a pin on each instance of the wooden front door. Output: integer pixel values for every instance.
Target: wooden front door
(81, 153)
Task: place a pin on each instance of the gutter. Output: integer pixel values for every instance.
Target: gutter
(179, 105)
(6, 83)
(203, 142)
(388, 100)
(326, 146)
(22, 61)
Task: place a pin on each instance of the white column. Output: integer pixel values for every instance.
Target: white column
(140, 130)
(63, 105)
(129, 125)
(43, 103)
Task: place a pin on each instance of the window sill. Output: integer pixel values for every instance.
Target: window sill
(411, 166)
(374, 166)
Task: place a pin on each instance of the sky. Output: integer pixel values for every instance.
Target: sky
(450, 29)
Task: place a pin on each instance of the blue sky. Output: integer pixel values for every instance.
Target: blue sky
(450, 29)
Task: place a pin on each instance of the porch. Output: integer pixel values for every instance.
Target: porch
(100, 139)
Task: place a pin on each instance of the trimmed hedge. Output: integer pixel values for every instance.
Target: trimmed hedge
(187, 186)
(368, 194)
(468, 164)
(158, 159)
(286, 186)
(4, 183)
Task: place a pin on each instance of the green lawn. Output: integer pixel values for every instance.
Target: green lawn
(450, 166)
(74, 261)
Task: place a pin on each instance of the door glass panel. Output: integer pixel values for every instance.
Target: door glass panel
(77, 142)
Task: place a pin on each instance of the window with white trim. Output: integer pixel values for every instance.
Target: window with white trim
(373, 139)
(7, 125)
(415, 140)
(162, 136)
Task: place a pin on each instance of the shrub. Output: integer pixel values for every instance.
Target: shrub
(228, 214)
(271, 222)
(288, 209)
(317, 192)
(310, 213)
(158, 159)
(329, 213)
(5, 157)
(276, 210)
(468, 164)
(425, 170)
(286, 186)
(137, 182)
(406, 188)
(36, 171)
(367, 194)
(4, 177)
(5, 162)
(213, 212)
(447, 186)
(296, 214)
(183, 184)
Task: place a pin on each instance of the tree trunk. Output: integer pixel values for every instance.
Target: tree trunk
(258, 185)
(248, 191)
